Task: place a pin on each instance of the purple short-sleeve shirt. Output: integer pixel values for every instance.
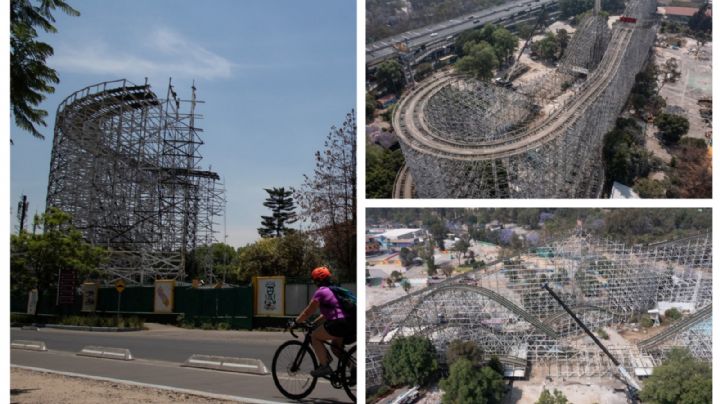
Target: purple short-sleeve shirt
(329, 305)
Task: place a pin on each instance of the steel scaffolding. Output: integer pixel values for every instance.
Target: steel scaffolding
(504, 309)
(126, 165)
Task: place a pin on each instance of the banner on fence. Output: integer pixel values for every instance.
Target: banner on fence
(89, 296)
(164, 294)
(269, 296)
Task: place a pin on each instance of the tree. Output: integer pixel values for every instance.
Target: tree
(461, 246)
(409, 361)
(282, 205)
(672, 127)
(219, 257)
(504, 43)
(390, 75)
(547, 47)
(369, 107)
(465, 384)
(648, 188)
(556, 397)
(480, 60)
(563, 39)
(680, 379)
(328, 198)
(459, 349)
(36, 259)
(382, 166)
(30, 77)
(292, 255)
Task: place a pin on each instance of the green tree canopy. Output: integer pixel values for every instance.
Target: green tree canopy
(547, 48)
(30, 77)
(680, 379)
(672, 127)
(282, 205)
(409, 361)
(504, 43)
(382, 168)
(36, 259)
(466, 384)
(293, 255)
(480, 60)
(390, 75)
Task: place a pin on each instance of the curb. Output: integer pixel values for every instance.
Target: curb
(107, 353)
(86, 328)
(230, 364)
(29, 345)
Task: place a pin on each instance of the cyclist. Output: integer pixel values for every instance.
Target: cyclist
(334, 324)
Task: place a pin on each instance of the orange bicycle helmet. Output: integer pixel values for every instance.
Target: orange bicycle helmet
(320, 273)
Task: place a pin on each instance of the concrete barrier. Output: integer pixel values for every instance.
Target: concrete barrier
(230, 364)
(107, 353)
(29, 345)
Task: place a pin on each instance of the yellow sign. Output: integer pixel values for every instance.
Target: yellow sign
(120, 285)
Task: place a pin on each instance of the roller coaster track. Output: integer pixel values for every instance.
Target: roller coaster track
(515, 309)
(403, 185)
(410, 125)
(577, 309)
(688, 322)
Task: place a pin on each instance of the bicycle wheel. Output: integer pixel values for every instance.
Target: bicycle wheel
(348, 370)
(296, 383)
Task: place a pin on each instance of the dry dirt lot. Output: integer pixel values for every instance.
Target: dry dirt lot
(27, 386)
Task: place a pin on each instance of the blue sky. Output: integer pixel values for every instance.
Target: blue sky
(274, 75)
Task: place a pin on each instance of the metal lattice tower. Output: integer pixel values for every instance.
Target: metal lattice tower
(504, 309)
(126, 165)
(557, 154)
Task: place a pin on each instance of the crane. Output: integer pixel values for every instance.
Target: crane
(632, 384)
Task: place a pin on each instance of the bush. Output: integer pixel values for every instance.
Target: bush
(673, 314)
(646, 321)
(556, 397)
(409, 361)
(648, 188)
(602, 334)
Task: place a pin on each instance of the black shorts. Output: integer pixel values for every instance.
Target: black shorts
(340, 327)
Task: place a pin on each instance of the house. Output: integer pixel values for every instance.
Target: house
(395, 239)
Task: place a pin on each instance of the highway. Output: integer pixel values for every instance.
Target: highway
(158, 355)
(381, 50)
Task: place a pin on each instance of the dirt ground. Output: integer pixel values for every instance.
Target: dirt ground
(695, 81)
(27, 386)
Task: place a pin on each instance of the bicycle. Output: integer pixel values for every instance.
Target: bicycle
(291, 370)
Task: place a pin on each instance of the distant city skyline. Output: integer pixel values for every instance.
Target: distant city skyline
(273, 81)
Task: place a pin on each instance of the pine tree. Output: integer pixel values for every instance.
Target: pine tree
(282, 206)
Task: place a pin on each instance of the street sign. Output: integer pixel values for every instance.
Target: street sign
(120, 285)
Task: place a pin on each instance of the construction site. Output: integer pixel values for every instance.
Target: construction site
(535, 137)
(125, 165)
(617, 291)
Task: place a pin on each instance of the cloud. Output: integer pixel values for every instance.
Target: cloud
(162, 52)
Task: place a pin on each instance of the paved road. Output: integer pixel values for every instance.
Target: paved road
(169, 374)
(158, 354)
(164, 345)
(380, 50)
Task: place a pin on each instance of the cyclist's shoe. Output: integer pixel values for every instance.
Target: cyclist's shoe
(322, 371)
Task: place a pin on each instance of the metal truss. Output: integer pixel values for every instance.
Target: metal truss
(504, 309)
(462, 140)
(126, 165)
